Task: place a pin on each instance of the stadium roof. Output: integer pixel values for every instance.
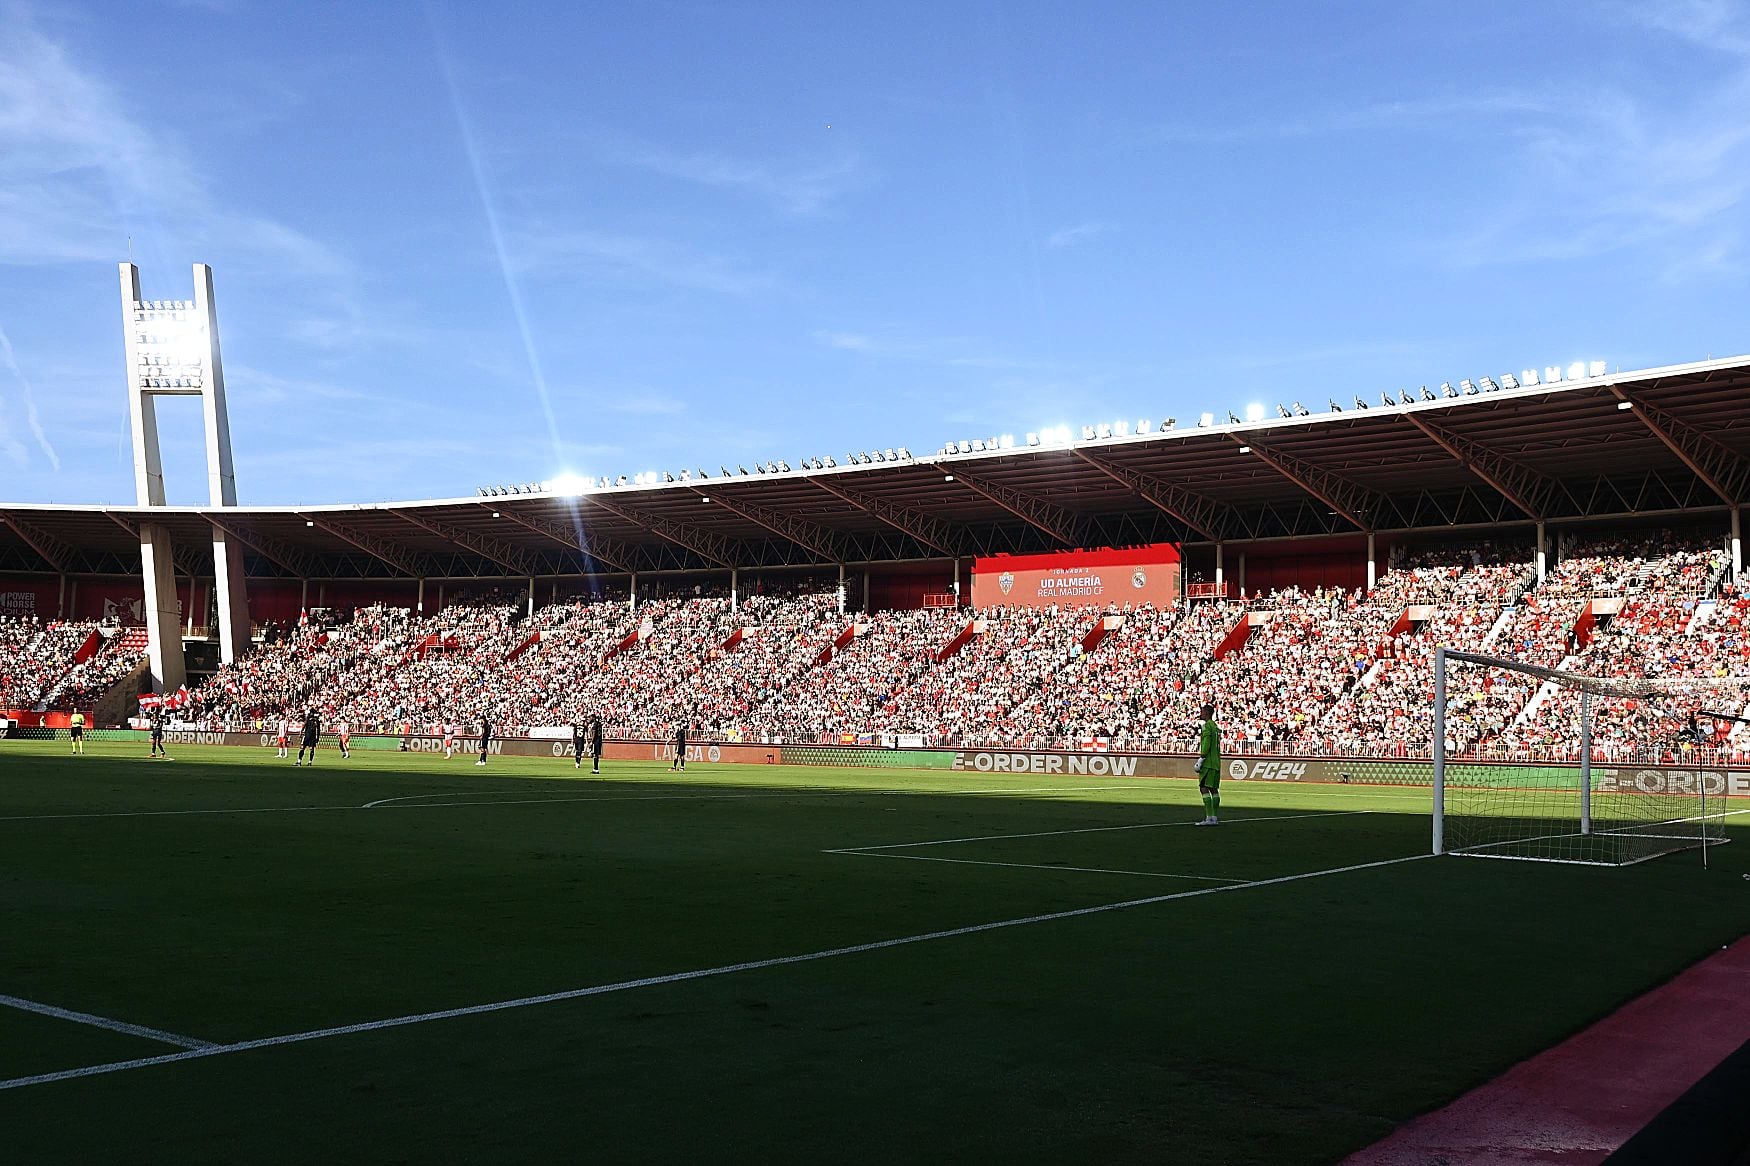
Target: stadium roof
(1662, 441)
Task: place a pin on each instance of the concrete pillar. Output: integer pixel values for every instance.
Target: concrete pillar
(841, 589)
(1220, 564)
(61, 600)
(632, 604)
(163, 635)
(1737, 544)
(956, 587)
(304, 594)
(1242, 572)
(1372, 562)
(233, 598)
(734, 589)
(531, 597)
(865, 591)
(1542, 551)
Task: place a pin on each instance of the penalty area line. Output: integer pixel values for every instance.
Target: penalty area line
(1094, 830)
(122, 1026)
(681, 977)
(1144, 874)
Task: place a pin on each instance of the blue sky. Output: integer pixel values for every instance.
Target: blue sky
(458, 244)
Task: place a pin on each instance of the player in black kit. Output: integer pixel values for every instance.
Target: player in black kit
(595, 744)
(485, 739)
(680, 749)
(312, 734)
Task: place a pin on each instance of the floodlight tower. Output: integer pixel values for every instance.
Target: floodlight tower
(173, 351)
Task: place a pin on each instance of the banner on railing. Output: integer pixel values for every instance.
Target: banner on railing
(1134, 576)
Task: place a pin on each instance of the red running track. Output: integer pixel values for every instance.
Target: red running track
(1579, 1101)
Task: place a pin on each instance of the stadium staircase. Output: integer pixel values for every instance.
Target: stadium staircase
(838, 644)
(530, 641)
(1103, 627)
(961, 639)
(1236, 636)
(121, 700)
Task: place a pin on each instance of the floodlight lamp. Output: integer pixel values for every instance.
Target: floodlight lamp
(495, 514)
(1282, 411)
(890, 455)
(1446, 389)
(686, 475)
(965, 446)
(1467, 387)
(771, 467)
(1360, 404)
(1427, 394)
(1032, 439)
(829, 462)
(866, 459)
(1385, 399)
(1087, 433)
(784, 467)
(1168, 423)
(1335, 408)
(947, 477)
(1144, 425)
(1206, 419)
(1121, 428)
(1245, 449)
(307, 522)
(879, 456)
(905, 453)
(1489, 385)
(1231, 419)
(1255, 412)
(1300, 410)
(1595, 369)
(1625, 404)
(622, 480)
(1509, 381)
(1577, 370)
(1528, 377)
(1552, 374)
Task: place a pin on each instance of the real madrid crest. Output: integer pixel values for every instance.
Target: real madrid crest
(1139, 578)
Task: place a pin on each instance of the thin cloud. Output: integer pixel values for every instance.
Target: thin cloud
(635, 259)
(76, 169)
(1078, 234)
(807, 189)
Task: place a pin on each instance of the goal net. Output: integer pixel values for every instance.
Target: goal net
(1540, 764)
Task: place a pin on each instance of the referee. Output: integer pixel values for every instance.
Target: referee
(680, 748)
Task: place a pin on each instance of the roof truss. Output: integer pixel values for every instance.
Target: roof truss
(1054, 520)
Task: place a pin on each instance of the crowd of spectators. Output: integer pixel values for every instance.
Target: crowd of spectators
(1328, 669)
(36, 658)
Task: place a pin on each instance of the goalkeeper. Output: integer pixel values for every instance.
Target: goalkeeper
(1209, 767)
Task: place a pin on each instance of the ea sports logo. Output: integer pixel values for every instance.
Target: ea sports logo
(1237, 770)
(1139, 579)
(1005, 581)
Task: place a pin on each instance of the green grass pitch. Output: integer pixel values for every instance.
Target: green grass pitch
(227, 897)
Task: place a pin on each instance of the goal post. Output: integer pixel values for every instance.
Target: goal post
(1540, 764)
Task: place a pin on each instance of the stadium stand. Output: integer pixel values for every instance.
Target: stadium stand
(1322, 670)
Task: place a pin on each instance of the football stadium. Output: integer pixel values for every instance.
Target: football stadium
(888, 837)
(1221, 713)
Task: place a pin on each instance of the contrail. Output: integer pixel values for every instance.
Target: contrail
(469, 147)
(32, 417)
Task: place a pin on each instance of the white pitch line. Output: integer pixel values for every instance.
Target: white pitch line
(157, 1034)
(169, 813)
(879, 792)
(678, 977)
(1147, 874)
(1095, 830)
(775, 793)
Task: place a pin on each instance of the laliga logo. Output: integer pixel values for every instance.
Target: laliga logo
(1005, 581)
(1139, 579)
